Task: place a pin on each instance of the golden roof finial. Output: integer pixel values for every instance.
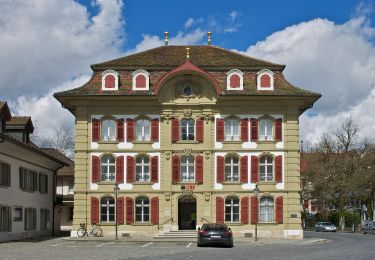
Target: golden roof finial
(209, 38)
(166, 38)
(187, 53)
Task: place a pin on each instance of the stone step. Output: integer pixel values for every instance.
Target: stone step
(178, 234)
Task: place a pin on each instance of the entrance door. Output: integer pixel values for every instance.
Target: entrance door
(187, 213)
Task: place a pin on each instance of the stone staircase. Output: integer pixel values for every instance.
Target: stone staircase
(178, 234)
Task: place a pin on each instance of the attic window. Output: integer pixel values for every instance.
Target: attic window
(265, 80)
(141, 80)
(188, 91)
(109, 80)
(235, 80)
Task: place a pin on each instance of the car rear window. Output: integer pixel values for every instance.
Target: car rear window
(214, 227)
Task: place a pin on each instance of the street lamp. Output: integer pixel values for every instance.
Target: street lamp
(116, 189)
(256, 193)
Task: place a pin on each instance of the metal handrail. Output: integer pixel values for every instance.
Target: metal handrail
(165, 222)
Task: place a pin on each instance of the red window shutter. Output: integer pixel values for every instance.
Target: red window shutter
(279, 168)
(235, 81)
(265, 81)
(175, 129)
(279, 210)
(154, 169)
(254, 129)
(219, 210)
(120, 130)
(254, 210)
(244, 130)
(95, 171)
(219, 130)
(306, 204)
(155, 210)
(245, 210)
(244, 169)
(94, 210)
(120, 210)
(219, 169)
(155, 130)
(278, 130)
(120, 169)
(199, 169)
(129, 210)
(254, 169)
(129, 169)
(95, 130)
(199, 130)
(110, 81)
(140, 81)
(130, 129)
(175, 169)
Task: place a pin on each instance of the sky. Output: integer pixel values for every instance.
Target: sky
(327, 47)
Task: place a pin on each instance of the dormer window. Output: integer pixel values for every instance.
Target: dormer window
(141, 80)
(265, 80)
(109, 80)
(235, 80)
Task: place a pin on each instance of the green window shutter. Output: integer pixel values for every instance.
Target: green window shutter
(21, 179)
(9, 219)
(46, 183)
(35, 181)
(34, 219)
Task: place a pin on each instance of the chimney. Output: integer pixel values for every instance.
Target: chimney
(166, 38)
(208, 38)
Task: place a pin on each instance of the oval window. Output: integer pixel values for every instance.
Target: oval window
(187, 91)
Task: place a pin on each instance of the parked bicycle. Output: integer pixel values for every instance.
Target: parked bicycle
(95, 231)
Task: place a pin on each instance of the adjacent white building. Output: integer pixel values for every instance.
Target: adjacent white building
(27, 176)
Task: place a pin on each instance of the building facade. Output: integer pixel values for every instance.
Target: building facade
(26, 181)
(188, 132)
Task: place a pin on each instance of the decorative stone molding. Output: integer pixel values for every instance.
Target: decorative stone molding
(187, 112)
(207, 155)
(188, 152)
(207, 196)
(187, 192)
(207, 116)
(167, 155)
(166, 117)
(167, 196)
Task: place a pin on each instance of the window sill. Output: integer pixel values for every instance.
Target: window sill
(107, 224)
(106, 183)
(142, 183)
(142, 224)
(30, 191)
(233, 223)
(267, 223)
(232, 142)
(231, 183)
(267, 183)
(266, 142)
(187, 142)
(142, 142)
(108, 142)
(187, 183)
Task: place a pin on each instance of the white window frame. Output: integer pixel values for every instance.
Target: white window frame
(186, 175)
(144, 73)
(106, 207)
(142, 165)
(265, 72)
(113, 73)
(267, 210)
(266, 137)
(232, 136)
(103, 130)
(267, 176)
(188, 127)
(143, 129)
(232, 165)
(108, 174)
(142, 205)
(231, 206)
(231, 73)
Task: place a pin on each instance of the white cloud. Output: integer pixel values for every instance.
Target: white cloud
(48, 46)
(152, 41)
(189, 23)
(46, 42)
(233, 15)
(337, 60)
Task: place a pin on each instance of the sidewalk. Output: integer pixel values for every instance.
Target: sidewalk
(236, 239)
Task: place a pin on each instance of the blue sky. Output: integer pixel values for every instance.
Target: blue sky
(254, 20)
(327, 46)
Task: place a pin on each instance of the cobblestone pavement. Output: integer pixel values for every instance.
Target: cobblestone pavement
(315, 246)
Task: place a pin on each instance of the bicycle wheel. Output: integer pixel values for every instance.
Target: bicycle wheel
(81, 232)
(97, 232)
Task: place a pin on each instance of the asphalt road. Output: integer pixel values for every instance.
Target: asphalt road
(335, 246)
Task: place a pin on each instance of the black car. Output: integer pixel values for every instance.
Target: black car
(211, 234)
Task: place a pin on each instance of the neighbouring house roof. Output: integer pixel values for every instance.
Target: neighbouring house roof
(58, 155)
(4, 111)
(20, 123)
